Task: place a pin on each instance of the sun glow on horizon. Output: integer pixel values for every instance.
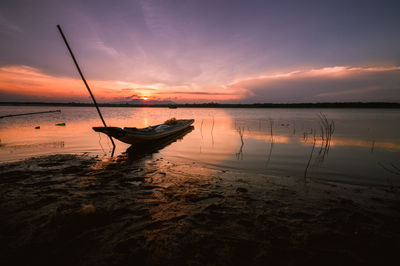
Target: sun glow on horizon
(20, 81)
(32, 83)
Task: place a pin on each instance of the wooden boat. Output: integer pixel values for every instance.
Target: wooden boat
(133, 135)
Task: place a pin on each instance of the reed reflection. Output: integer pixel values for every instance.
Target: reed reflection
(271, 145)
(239, 154)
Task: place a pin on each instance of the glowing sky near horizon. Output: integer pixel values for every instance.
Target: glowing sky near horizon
(201, 51)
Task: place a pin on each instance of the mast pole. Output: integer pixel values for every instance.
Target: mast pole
(86, 84)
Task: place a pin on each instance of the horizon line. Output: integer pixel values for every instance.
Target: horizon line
(216, 104)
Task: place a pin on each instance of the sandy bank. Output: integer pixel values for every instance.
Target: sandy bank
(78, 210)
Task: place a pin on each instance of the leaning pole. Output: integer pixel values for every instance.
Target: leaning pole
(87, 86)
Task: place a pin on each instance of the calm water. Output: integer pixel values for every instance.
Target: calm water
(363, 149)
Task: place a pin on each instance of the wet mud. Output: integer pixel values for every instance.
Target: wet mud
(150, 210)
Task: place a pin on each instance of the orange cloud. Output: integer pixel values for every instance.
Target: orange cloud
(31, 82)
(336, 71)
(25, 80)
(338, 83)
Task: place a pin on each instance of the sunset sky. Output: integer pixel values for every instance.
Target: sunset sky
(201, 50)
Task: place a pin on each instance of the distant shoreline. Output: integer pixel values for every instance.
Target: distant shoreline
(219, 105)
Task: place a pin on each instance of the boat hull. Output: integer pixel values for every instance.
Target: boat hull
(137, 136)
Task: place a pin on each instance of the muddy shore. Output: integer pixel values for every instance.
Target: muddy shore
(80, 210)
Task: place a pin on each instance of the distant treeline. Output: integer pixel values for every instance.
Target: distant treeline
(223, 105)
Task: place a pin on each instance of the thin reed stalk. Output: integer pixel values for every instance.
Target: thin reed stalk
(239, 154)
(309, 159)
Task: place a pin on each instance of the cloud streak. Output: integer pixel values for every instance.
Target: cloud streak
(339, 83)
(27, 83)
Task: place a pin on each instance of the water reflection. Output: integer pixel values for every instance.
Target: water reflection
(44, 145)
(366, 144)
(138, 151)
(340, 144)
(391, 168)
(282, 146)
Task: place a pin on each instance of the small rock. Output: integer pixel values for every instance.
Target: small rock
(88, 209)
(241, 189)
